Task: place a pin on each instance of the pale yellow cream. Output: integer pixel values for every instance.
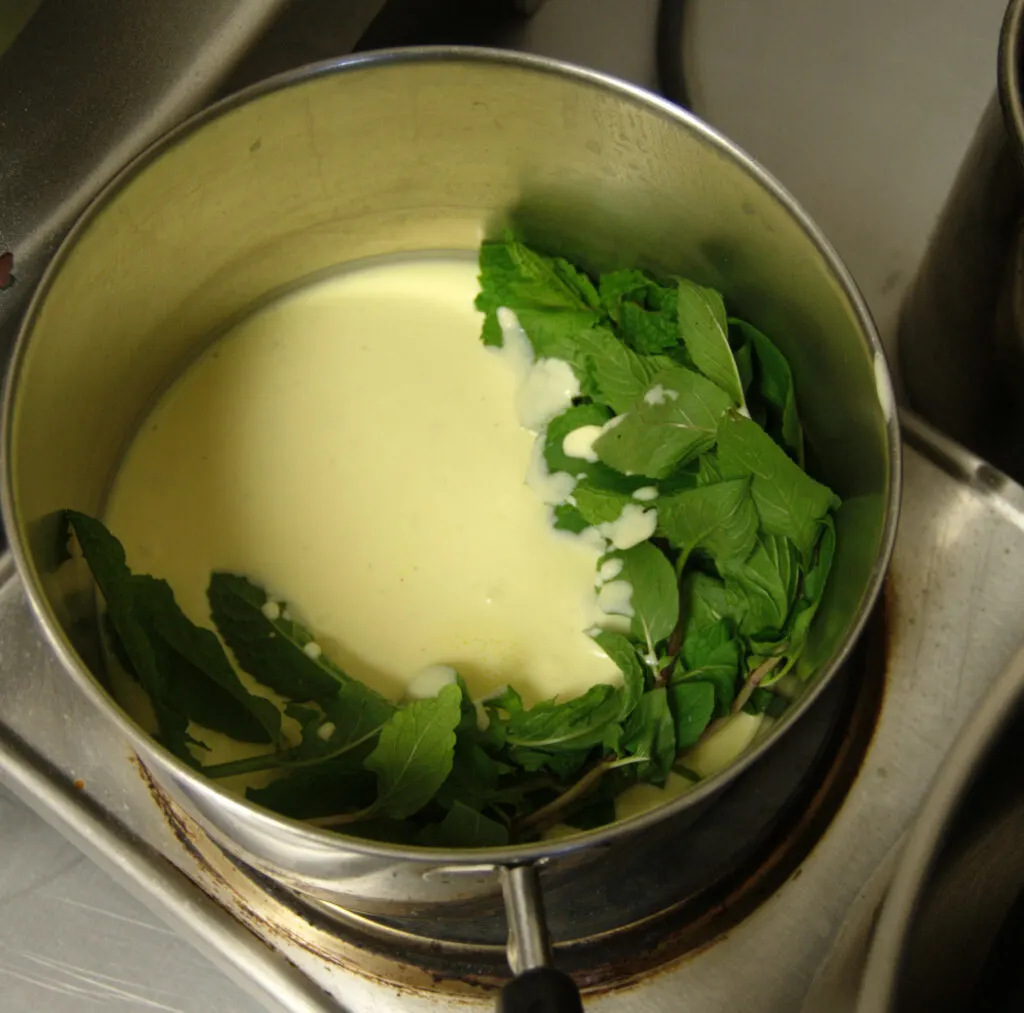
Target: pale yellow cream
(356, 449)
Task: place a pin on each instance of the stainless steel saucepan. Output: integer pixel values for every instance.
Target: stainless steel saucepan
(421, 150)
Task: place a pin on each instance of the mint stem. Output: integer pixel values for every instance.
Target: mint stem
(751, 683)
(268, 761)
(549, 813)
(250, 765)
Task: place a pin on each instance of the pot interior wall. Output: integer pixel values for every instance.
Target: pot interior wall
(418, 153)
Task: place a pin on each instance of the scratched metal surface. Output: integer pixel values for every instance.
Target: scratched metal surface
(71, 938)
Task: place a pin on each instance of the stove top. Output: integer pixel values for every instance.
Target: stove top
(739, 915)
(743, 910)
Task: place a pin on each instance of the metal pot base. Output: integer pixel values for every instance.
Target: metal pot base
(674, 891)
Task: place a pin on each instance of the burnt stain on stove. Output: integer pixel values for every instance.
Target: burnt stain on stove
(206, 854)
(607, 962)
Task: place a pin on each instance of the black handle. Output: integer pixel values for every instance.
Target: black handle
(538, 987)
(542, 990)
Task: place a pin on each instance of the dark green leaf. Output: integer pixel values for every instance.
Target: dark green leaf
(197, 670)
(347, 720)
(600, 506)
(567, 518)
(106, 559)
(707, 600)
(675, 419)
(713, 654)
(609, 372)
(627, 285)
(705, 332)
(744, 366)
(692, 704)
(474, 777)
(414, 753)
(565, 765)
(327, 789)
(273, 649)
(623, 653)
(650, 731)
(464, 827)
(789, 502)
(768, 578)
(777, 388)
(759, 702)
(720, 519)
(643, 310)
(648, 331)
(572, 725)
(552, 300)
(806, 608)
(569, 421)
(655, 596)
(817, 575)
(708, 471)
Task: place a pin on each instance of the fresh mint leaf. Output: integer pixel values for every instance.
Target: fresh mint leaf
(777, 388)
(806, 608)
(197, 670)
(346, 720)
(474, 777)
(720, 519)
(464, 827)
(817, 575)
(577, 724)
(704, 328)
(655, 595)
(564, 765)
(768, 578)
(568, 422)
(332, 787)
(598, 475)
(708, 471)
(414, 753)
(647, 331)
(674, 419)
(610, 373)
(623, 653)
(709, 600)
(628, 285)
(105, 557)
(273, 649)
(692, 705)
(599, 506)
(551, 299)
(650, 731)
(789, 502)
(644, 311)
(567, 518)
(713, 654)
(601, 493)
(744, 356)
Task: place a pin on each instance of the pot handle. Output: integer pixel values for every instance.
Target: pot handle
(537, 987)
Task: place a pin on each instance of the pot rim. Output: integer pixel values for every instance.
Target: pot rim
(1010, 84)
(510, 854)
